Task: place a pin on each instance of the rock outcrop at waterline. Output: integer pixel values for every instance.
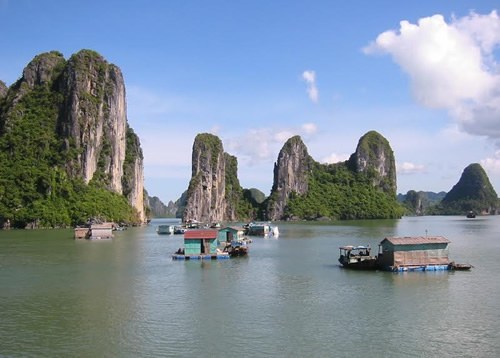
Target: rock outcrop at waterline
(77, 110)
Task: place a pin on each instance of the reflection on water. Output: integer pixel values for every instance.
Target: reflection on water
(289, 297)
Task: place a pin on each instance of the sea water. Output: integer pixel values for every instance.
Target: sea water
(126, 297)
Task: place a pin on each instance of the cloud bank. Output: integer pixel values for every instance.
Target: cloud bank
(451, 66)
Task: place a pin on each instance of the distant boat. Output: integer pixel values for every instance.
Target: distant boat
(471, 214)
(165, 229)
(261, 229)
(179, 230)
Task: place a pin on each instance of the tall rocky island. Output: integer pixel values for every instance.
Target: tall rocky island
(214, 193)
(364, 187)
(473, 192)
(67, 153)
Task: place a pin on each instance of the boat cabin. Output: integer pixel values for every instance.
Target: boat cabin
(414, 253)
(357, 257)
(231, 233)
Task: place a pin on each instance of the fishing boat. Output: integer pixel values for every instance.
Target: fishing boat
(357, 257)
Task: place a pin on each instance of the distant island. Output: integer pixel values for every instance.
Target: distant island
(473, 193)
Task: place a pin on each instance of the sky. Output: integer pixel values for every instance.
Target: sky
(424, 74)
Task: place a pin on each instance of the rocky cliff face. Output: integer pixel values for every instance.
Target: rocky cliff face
(3, 89)
(375, 157)
(91, 121)
(132, 179)
(233, 192)
(157, 207)
(93, 117)
(290, 176)
(205, 200)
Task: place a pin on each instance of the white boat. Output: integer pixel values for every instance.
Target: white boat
(165, 229)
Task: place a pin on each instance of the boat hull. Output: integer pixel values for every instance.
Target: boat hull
(181, 257)
(359, 263)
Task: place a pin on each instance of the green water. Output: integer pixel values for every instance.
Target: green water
(126, 298)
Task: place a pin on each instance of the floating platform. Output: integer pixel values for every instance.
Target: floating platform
(419, 268)
(219, 256)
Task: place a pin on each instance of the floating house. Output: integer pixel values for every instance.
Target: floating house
(95, 231)
(414, 254)
(200, 244)
(101, 231)
(231, 233)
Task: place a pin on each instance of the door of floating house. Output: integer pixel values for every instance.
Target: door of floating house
(200, 242)
(413, 251)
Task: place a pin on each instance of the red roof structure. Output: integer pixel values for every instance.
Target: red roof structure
(417, 240)
(199, 234)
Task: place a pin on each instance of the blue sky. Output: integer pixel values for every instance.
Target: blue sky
(424, 74)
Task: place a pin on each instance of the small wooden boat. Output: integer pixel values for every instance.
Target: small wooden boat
(460, 267)
(357, 257)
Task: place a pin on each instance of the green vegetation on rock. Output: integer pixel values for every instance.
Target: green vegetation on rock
(473, 192)
(36, 190)
(337, 193)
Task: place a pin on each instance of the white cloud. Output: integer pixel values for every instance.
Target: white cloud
(263, 144)
(451, 66)
(492, 164)
(335, 158)
(409, 168)
(312, 90)
(309, 128)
